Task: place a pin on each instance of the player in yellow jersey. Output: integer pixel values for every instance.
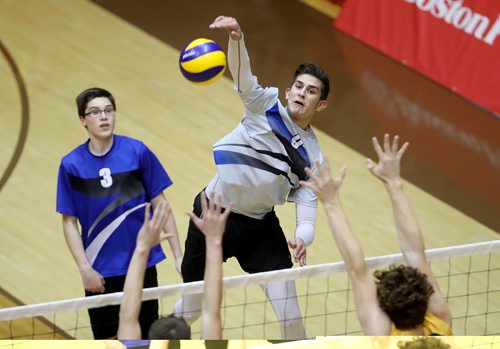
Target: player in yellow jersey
(406, 299)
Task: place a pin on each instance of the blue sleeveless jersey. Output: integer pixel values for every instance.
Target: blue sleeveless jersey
(107, 195)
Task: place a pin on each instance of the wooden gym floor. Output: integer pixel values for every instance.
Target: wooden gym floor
(53, 49)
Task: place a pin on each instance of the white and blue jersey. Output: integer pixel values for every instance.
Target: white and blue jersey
(107, 195)
(260, 163)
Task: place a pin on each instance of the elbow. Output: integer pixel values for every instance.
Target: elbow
(356, 271)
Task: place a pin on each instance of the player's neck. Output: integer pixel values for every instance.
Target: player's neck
(303, 121)
(99, 146)
(302, 124)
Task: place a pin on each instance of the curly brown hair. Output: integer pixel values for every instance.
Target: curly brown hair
(403, 293)
(424, 343)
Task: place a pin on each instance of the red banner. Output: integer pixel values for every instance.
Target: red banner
(453, 42)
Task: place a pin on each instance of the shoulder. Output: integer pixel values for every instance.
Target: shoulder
(311, 142)
(76, 155)
(120, 139)
(259, 98)
(309, 134)
(435, 325)
(125, 143)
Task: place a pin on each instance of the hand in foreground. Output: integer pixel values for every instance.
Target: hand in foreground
(151, 232)
(389, 158)
(230, 24)
(325, 187)
(212, 222)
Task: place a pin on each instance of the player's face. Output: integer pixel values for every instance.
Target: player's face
(100, 118)
(304, 99)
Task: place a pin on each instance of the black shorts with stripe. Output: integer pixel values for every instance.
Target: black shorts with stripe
(258, 244)
(104, 320)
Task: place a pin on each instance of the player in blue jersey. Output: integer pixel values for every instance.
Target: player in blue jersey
(259, 165)
(103, 185)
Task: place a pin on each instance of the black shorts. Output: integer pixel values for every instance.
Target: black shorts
(258, 244)
(104, 320)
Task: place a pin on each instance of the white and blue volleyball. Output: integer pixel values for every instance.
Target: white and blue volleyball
(202, 61)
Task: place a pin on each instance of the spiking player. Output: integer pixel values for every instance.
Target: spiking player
(259, 165)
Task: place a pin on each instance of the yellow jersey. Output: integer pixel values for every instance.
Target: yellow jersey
(432, 326)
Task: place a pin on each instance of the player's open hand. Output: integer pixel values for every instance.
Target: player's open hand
(324, 185)
(151, 232)
(212, 222)
(389, 158)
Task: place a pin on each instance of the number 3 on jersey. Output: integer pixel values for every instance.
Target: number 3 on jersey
(107, 180)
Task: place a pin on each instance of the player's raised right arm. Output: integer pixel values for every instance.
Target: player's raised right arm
(410, 236)
(372, 319)
(237, 54)
(230, 24)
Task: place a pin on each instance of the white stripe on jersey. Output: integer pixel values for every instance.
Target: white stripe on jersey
(95, 246)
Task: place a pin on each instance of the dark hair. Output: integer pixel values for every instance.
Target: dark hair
(403, 293)
(169, 327)
(316, 71)
(424, 343)
(89, 94)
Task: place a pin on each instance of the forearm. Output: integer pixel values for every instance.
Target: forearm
(410, 236)
(346, 241)
(170, 229)
(239, 65)
(132, 289)
(306, 221)
(212, 290)
(74, 242)
(173, 241)
(412, 246)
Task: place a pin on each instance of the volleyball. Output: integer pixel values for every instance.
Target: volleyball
(202, 61)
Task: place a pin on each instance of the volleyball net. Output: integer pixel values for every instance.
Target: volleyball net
(467, 274)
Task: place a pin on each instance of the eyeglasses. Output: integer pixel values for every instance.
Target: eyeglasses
(95, 113)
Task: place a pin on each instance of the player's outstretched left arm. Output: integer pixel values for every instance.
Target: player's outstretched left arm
(212, 224)
(372, 319)
(149, 235)
(410, 236)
